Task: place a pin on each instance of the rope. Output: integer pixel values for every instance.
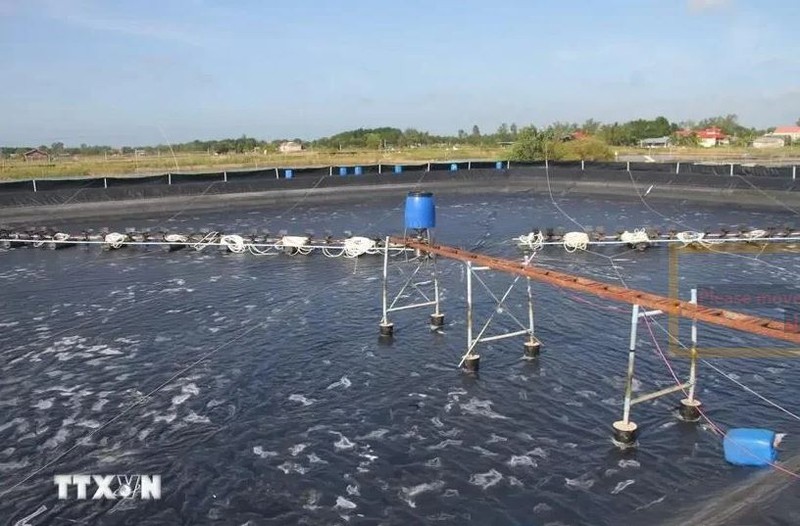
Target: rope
(688, 237)
(234, 243)
(634, 238)
(115, 240)
(754, 234)
(533, 241)
(357, 246)
(576, 241)
(176, 238)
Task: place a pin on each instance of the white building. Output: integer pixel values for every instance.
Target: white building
(290, 147)
(790, 132)
(769, 141)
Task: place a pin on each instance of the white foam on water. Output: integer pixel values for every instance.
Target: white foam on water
(542, 508)
(314, 459)
(179, 399)
(486, 480)
(297, 449)
(10, 466)
(289, 467)
(194, 418)
(450, 433)
(628, 464)
(408, 494)
(311, 502)
(190, 389)
(445, 443)
(143, 434)
(43, 404)
(496, 438)
(537, 452)
(481, 408)
(167, 418)
(8, 451)
(263, 453)
(621, 486)
(582, 482)
(485, 452)
(374, 435)
(59, 438)
(435, 462)
(98, 406)
(343, 382)
(90, 424)
(343, 442)
(522, 461)
(514, 481)
(343, 503)
(353, 489)
(302, 399)
(438, 423)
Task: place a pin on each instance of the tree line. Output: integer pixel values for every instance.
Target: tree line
(611, 134)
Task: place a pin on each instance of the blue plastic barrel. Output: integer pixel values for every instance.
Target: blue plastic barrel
(750, 447)
(288, 174)
(420, 210)
(398, 168)
(453, 167)
(359, 170)
(342, 170)
(498, 165)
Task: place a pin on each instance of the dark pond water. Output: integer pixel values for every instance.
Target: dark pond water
(294, 412)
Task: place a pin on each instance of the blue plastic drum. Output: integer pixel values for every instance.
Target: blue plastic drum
(420, 210)
(750, 447)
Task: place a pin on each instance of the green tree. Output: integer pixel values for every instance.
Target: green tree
(531, 145)
(513, 129)
(373, 141)
(591, 126)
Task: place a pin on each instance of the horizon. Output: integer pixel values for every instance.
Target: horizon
(145, 73)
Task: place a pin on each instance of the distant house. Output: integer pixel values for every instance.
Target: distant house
(574, 136)
(36, 155)
(769, 141)
(790, 132)
(656, 142)
(290, 147)
(711, 137)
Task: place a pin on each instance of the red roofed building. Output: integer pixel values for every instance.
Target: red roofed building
(789, 132)
(712, 136)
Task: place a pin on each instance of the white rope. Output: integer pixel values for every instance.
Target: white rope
(576, 241)
(634, 238)
(296, 244)
(115, 239)
(532, 241)
(755, 234)
(175, 238)
(358, 246)
(208, 239)
(688, 237)
(234, 243)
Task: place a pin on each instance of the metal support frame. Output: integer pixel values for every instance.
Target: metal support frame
(392, 306)
(472, 341)
(629, 401)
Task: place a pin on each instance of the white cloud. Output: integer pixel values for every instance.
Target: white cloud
(707, 5)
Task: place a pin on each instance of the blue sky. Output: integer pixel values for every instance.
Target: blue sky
(146, 71)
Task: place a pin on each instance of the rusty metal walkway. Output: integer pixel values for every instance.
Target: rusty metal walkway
(770, 328)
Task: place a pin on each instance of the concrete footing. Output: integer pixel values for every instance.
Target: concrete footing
(472, 363)
(625, 433)
(689, 410)
(532, 349)
(387, 329)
